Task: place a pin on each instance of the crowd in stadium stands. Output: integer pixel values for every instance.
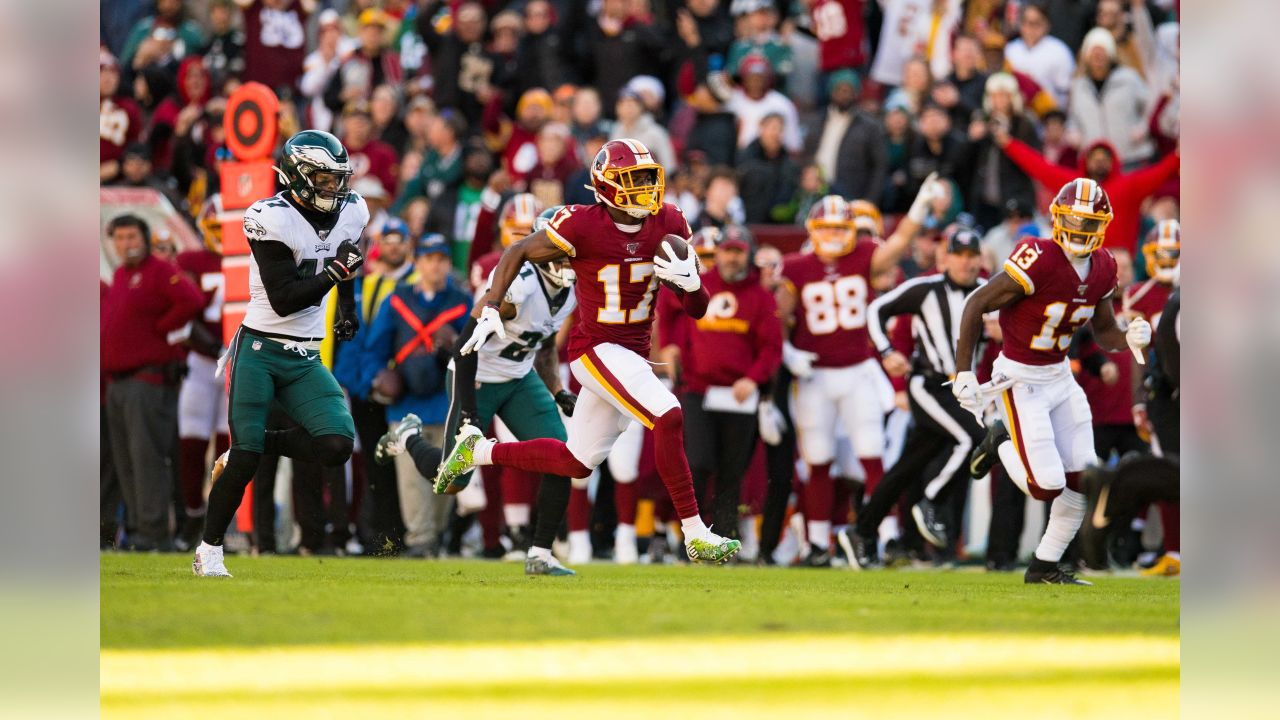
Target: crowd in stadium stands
(756, 108)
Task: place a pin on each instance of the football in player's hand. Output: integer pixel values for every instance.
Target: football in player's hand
(681, 249)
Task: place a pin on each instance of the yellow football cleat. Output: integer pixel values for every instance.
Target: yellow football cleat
(1166, 566)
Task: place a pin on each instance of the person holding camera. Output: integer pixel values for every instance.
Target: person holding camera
(996, 179)
(144, 313)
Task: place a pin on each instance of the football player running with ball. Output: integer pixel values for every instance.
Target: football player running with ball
(1047, 290)
(304, 243)
(839, 382)
(617, 249)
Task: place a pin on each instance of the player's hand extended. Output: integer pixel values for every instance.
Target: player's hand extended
(799, 362)
(1138, 336)
(896, 364)
(931, 189)
(490, 323)
(346, 321)
(681, 273)
(345, 264)
(772, 423)
(567, 402)
(968, 392)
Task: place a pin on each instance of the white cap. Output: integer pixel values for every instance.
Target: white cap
(1099, 37)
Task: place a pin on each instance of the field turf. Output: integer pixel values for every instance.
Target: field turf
(315, 638)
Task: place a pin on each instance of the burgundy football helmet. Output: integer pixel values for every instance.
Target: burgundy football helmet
(1163, 251)
(1081, 212)
(625, 176)
(831, 226)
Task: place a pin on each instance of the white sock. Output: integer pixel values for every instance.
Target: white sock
(540, 553)
(404, 432)
(626, 533)
(1174, 554)
(206, 546)
(579, 537)
(482, 453)
(694, 528)
(820, 533)
(515, 515)
(1065, 516)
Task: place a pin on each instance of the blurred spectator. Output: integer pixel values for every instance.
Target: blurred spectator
(650, 91)
(1110, 101)
(1133, 33)
(518, 139)
(178, 111)
(636, 122)
(706, 27)
(369, 66)
(586, 113)
(320, 67)
(417, 119)
(767, 176)
(1044, 58)
(756, 99)
(757, 31)
(995, 177)
(416, 326)
(1054, 143)
(937, 149)
(375, 196)
(224, 52)
(457, 213)
(461, 66)
(916, 87)
(1000, 240)
(812, 188)
(163, 247)
(441, 168)
(384, 112)
(846, 143)
(1068, 19)
(508, 78)
(160, 39)
(619, 46)
(369, 157)
(899, 136)
(577, 189)
(556, 165)
(966, 78)
(721, 205)
(915, 28)
(1098, 162)
(562, 104)
(275, 40)
(119, 119)
(840, 28)
(540, 48)
(136, 170)
(143, 314)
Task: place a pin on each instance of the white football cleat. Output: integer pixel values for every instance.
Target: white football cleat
(208, 561)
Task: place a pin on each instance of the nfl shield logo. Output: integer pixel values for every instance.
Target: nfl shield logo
(1082, 289)
(632, 248)
(257, 344)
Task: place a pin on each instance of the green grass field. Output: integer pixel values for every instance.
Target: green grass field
(294, 637)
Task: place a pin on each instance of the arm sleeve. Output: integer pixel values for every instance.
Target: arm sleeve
(185, 302)
(902, 300)
(671, 321)
(1148, 179)
(767, 333)
(1034, 165)
(695, 303)
(287, 292)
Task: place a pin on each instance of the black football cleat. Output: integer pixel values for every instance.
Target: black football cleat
(930, 523)
(1043, 572)
(987, 454)
(818, 557)
(866, 552)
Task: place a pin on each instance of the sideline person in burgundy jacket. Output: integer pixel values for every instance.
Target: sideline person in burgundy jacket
(144, 314)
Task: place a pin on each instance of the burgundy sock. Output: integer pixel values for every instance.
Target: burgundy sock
(673, 466)
(841, 491)
(874, 469)
(491, 517)
(519, 487)
(1171, 520)
(818, 494)
(192, 452)
(546, 456)
(579, 509)
(624, 500)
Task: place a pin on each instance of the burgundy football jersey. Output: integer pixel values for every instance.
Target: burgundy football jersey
(838, 25)
(205, 268)
(1148, 300)
(831, 305)
(1037, 328)
(616, 285)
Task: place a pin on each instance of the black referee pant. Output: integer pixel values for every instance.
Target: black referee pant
(719, 444)
(942, 430)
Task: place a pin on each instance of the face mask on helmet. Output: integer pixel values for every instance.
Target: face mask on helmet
(558, 274)
(638, 191)
(831, 240)
(1076, 233)
(1162, 261)
(328, 187)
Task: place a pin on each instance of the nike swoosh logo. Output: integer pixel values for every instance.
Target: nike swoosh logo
(1100, 519)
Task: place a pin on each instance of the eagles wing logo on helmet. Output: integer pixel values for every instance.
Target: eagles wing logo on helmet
(315, 167)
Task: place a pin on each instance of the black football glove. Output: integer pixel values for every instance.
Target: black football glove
(567, 401)
(346, 321)
(346, 263)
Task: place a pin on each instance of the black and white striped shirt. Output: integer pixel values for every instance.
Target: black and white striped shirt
(935, 304)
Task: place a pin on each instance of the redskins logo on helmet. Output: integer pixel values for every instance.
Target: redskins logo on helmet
(1163, 250)
(831, 226)
(1081, 212)
(866, 217)
(518, 217)
(625, 176)
(210, 222)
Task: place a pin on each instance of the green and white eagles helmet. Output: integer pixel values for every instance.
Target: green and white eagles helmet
(558, 273)
(315, 167)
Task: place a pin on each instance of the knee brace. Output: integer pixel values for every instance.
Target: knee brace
(332, 450)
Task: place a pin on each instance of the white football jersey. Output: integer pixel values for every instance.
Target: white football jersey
(536, 320)
(276, 219)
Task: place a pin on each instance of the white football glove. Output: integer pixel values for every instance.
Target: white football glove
(681, 273)
(932, 189)
(490, 323)
(772, 423)
(799, 362)
(968, 392)
(1138, 336)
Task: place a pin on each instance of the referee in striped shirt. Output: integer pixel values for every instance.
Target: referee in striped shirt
(935, 453)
